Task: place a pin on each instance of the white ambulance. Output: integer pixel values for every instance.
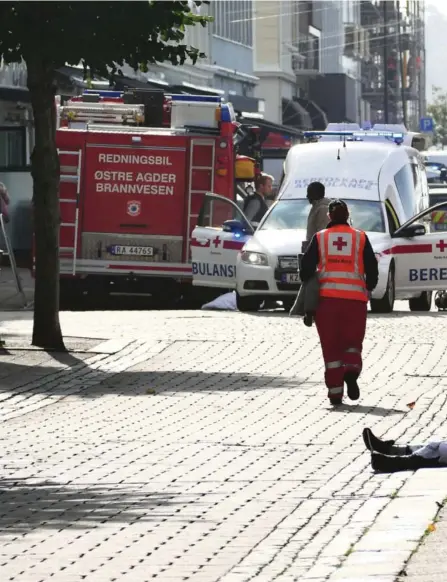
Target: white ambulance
(383, 181)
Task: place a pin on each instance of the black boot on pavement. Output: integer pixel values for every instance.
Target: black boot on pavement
(308, 319)
(353, 387)
(373, 443)
(387, 464)
(336, 400)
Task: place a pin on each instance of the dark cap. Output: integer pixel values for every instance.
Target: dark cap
(333, 204)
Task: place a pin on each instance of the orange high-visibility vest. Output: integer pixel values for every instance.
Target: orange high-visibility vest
(341, 271)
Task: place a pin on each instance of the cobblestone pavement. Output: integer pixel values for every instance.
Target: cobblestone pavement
(200, 446)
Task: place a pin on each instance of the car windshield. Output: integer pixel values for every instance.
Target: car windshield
(292, 215)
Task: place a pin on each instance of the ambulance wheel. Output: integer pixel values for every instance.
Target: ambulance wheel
(386, 304)
(248, 304)
(421, 303)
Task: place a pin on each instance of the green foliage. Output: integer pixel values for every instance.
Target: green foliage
(438, 111)
(101, 35)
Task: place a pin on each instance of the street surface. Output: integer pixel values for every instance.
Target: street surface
(200, 446)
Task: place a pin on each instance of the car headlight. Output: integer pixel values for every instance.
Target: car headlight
(254, 258)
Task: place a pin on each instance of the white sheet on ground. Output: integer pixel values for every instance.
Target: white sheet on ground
(225, 302)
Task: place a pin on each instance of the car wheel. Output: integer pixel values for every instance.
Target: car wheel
(421, 303)
(386, 304)
(248, 304)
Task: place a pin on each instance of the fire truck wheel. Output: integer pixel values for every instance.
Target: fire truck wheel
(69, 294)
(248, 304)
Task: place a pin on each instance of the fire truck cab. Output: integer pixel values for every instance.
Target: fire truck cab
(134, 169)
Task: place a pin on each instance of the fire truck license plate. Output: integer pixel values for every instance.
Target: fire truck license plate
(290, 278)
(128, 250)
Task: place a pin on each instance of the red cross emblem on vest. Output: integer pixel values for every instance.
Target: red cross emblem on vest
(340, 243)
(441, 246)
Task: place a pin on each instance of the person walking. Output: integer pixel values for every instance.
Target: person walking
(347, 272)
(317, 219)
(255, 205)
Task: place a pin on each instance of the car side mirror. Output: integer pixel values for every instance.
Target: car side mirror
(236, 227)
(414, 229)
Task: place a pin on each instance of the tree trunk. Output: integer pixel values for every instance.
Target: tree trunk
(45, 171)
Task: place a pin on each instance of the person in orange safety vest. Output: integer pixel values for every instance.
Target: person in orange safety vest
(347, 271)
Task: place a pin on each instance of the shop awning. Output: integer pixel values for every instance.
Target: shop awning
(122, 83)
(295, 115)
(317, 115)
(191, 89)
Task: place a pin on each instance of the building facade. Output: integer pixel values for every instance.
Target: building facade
(394, 77)
(344, 48)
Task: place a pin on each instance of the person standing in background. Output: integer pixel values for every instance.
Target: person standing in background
(255, 206)
(318, 215)
(4, 202)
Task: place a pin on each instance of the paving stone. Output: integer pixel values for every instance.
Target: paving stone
(201, 447)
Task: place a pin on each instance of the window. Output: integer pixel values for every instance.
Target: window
(292, 215)
(393, 221)
(12, 148)
(405, 186)
(233, 20)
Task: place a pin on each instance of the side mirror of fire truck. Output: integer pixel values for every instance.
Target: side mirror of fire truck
(237, 227)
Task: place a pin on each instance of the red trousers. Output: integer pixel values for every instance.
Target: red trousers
(341, 325)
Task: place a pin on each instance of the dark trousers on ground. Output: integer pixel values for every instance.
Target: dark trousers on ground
(341, 325)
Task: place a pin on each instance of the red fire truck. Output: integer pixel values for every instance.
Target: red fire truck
(134, 170)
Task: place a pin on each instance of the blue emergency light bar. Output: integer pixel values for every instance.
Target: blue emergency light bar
(397, 137)
(365, 133)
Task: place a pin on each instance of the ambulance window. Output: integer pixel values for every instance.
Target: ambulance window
(405, 186)
(393, 222)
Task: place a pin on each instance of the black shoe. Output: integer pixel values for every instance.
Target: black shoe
(373, 443)
(353, 387)
(387, 464)
(336, 400)
(308, 319)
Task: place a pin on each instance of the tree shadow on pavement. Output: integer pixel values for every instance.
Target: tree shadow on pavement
(26, 506)
(66, 358)
(371, 410)
(73, 375)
